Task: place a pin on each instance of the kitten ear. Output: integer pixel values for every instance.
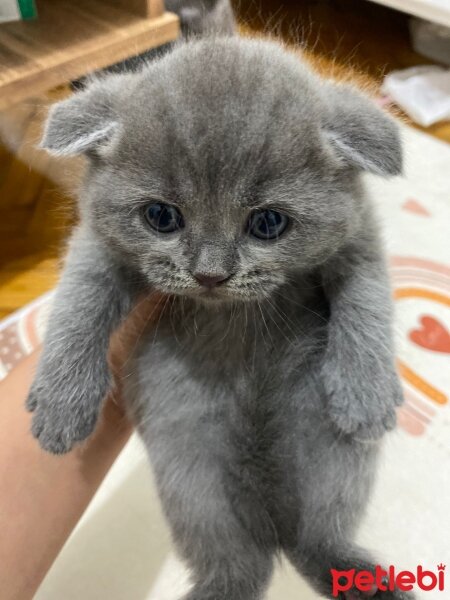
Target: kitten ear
(360, 133)
(83, 123)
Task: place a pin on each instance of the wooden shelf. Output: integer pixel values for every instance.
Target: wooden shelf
(71, 38)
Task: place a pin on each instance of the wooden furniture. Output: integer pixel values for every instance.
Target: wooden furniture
(71, 38)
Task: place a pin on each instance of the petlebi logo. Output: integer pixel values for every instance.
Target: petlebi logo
(381, 580)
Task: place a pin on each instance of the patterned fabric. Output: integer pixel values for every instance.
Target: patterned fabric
(121, 548)
(22, 332)
(422, 291)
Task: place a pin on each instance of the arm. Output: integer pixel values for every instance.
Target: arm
(43, 496)
(359, 372)
(73, 376)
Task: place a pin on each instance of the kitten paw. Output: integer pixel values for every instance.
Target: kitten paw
(365, 408)
(64, 411)
(364, 427)
(32, 399)
(58, 430)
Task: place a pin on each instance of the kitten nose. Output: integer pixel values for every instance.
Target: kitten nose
(210, 280)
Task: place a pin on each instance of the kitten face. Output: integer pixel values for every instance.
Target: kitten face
(217, 151)
(217, 238)
(218, 131)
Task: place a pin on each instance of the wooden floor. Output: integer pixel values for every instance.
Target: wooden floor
(345, 38)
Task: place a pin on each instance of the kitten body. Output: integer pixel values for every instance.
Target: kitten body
(230, 405)
(261, 400)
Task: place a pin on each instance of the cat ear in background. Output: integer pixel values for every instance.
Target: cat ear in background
(359, 133)
(191, 19)
(83, 123)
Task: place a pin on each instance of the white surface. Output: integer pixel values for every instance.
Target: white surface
(432, 10)
(422, 92)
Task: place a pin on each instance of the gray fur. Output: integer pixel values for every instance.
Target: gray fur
(262, 404)
(200, 17)
(197, 18)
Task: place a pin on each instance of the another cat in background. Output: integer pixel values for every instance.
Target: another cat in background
(199, 17)
(228, 176)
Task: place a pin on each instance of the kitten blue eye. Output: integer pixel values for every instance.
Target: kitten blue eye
(164, 218)
(267, 224)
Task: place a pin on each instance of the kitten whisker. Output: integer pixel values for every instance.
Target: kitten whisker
(159, 319)
(148, 318)
(265, 324)
(299, 304)
(280, 314)
(173, 328)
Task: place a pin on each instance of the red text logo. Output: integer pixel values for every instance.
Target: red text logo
(382, 580)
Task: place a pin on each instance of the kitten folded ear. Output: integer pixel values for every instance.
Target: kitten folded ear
(85, 122)
(360, 133)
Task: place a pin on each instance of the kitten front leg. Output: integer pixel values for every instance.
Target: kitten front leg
(359, 371)
(73, 376)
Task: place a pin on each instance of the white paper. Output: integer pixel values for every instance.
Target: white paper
(422, 92)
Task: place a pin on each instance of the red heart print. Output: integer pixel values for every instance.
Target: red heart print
(433, 335)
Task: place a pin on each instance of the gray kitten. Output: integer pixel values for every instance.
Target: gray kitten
(229, 177)
(198, 17)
